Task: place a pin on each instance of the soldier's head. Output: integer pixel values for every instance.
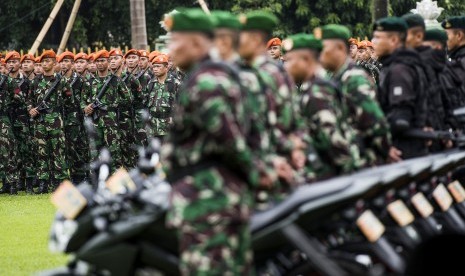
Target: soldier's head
(160, 65)
(12, 60)
(301, 54)
(257, 30)
(274, 48)
(192, 34)
(335, 46)
(66, 61)
(27, 63)
(435, 38)
(48, 62)
(115, 59)
(38, 70)
(101, 60)
(416, 30)
(455, 28)
(364, 50)
(389, 34)
(353, 48)
(92, 65)
(227, 27)
(132, 58)
(80, 62)
(144, 59)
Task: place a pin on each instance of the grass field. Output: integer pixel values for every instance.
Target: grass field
(25, 222)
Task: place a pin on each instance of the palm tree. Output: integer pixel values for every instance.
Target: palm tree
(380, 9)
(138, 26)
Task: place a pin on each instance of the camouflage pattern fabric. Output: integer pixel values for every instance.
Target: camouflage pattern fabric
(211, 168)
(49, 132)
(126, 116)
(364, 113)
(140, 104)
(8, 152)
(161, 98)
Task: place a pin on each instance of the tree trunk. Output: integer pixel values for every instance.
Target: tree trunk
(380, 9)
(138, 25)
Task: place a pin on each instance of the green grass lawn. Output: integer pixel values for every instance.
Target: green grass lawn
(25, 221)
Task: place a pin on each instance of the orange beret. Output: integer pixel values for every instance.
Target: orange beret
(12, 55)
(369, 44)
(362, 44)
(153, 54)
(2, 61)
(37, 59)
(101, 54)
(132, 52)
(27, 57)
(91, 57)
(160, 59)
(83, 56)
(353, 41)
(273, 42)
(144, 53)
(64, 55)
(47, 54)
(115, 52)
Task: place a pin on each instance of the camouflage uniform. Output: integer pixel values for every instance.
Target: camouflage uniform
(22, 129)
(140, 104)
(363, 112)
(106, 119)
(8, 153)
(321, 107)
(161, 98)
(49, 132)
(126, 120)
(77, 148)
(210, 164)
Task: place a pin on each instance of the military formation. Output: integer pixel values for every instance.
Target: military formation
(245, 117)
(43, 139)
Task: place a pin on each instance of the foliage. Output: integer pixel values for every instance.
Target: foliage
(107, 22)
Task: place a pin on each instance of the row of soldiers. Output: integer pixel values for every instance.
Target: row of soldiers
(43, 140)
(249, 129)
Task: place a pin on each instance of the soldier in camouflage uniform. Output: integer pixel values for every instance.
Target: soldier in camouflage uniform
(125, 108)
(361, 108)
(27, 65)
(162, 91)
(48, 125)
(76, 145)
(207, 158)
(20, 121)
(106, 119)
(321, 106)
(8, 153)
(133, 76)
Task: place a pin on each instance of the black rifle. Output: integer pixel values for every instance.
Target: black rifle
(43, 106)
(97, 104)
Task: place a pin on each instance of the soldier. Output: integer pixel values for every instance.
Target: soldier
(364, 59)
(401, 88)
(353, 48)
(27, 65)
(48, 123)
(321, 107)
(136, 78)
(130, 87)
(20, 121)
(274, 49)
(38, 70)
(452, 78)
(360, 107)
(8, 153)
(73, 116)
(105, 117)
(144, 66)
(162, 91)
(207, 153)
(91, 66)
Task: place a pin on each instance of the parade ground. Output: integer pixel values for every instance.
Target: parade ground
(25, 222)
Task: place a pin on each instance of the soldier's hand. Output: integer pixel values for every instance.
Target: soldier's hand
(284, 170)
(428, 143)
(448, 144)
(298, 158)
(33, 112)
(394, 155)
(88, 110)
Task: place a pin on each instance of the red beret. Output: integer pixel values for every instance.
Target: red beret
(101, 54)
(28, 57)
(83, 56)
(160, 59)
(144, 53)
(273, 42)
(47, 54)
(64, 55)
(115, 52)
(132, 52)
(153, 54)
(12, 55)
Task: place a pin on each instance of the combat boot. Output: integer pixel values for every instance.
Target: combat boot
(30, 185)
(13, 189)
(43, 187)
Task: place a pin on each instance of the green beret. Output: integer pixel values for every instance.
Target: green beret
(455, 22)
(414, 20)
(334, 31)
(189, 20)
(224, 19)
(302, 41)
(435, 34)
(259, 20)
(391, 24)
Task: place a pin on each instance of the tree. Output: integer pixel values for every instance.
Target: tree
(138, 24)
